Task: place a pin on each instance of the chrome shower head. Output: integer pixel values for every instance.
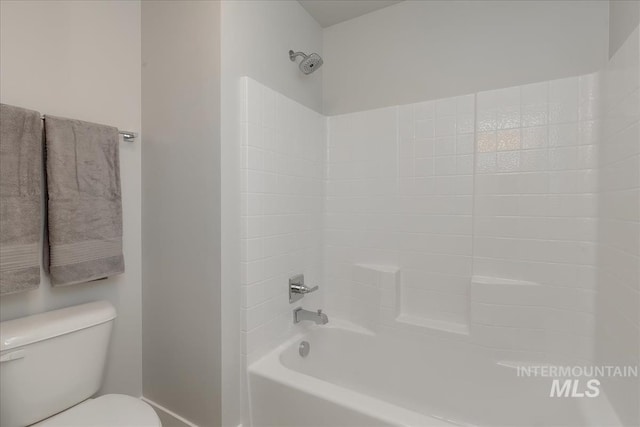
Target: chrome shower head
(309, 63)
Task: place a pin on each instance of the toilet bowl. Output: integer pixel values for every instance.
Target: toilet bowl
(51, 365)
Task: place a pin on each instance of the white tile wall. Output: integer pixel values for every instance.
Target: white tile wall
(535, 219)
(361, 199)
(435, 201)
(283, 157)
(501, 186)
(618, 297)
(399, 192)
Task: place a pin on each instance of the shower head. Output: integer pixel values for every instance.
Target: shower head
(309, 63)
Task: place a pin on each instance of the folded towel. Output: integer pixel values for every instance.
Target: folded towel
(20, 205)
(84, 205)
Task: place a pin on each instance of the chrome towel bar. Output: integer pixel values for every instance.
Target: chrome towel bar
(127, 136)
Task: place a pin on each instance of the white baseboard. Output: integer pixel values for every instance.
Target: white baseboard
(168, 412)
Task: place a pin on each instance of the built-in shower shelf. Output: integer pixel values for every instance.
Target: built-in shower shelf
(434, 324)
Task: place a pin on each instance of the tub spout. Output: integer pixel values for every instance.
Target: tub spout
(299, 314)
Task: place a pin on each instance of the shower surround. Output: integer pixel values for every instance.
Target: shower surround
(486, 206)
(499, 224)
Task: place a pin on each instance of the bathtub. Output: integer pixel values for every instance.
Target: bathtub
(355, 378)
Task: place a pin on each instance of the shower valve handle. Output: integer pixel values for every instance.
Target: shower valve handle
(302, 289)
(297, 288)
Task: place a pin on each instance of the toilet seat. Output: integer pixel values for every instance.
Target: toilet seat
(110, 410)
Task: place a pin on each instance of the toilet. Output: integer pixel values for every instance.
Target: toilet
(51, 364)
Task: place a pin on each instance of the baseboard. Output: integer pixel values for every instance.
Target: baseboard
(180, 421)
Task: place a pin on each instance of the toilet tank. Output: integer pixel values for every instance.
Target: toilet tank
(52, 361)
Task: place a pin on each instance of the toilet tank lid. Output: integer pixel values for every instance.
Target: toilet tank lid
(28, 330)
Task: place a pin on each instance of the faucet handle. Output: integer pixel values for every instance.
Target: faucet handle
(297, 288)
(302, 289)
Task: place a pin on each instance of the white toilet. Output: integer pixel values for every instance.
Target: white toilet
(52, 363)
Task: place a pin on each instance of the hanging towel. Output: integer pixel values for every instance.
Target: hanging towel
(84, 204)
(20, 204)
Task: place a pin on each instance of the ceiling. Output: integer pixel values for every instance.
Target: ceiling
(329, 12)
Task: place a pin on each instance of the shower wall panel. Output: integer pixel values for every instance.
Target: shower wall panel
(486, 206)
(282, 167)
(618, 297)
(535, 219)
(399, 193)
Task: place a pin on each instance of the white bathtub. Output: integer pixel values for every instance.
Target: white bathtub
(359, 379)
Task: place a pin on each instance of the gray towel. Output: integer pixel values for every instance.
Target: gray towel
(20, 205)
(84, 205)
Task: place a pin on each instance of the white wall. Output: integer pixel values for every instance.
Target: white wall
(624, 16)
(421, 50)
(618, 297)
(82, 60)
(181, 207)
(256, 38)
(260, 35)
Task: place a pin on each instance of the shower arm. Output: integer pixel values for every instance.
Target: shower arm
(293, 55)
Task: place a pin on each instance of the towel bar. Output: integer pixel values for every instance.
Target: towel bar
(126, 135)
